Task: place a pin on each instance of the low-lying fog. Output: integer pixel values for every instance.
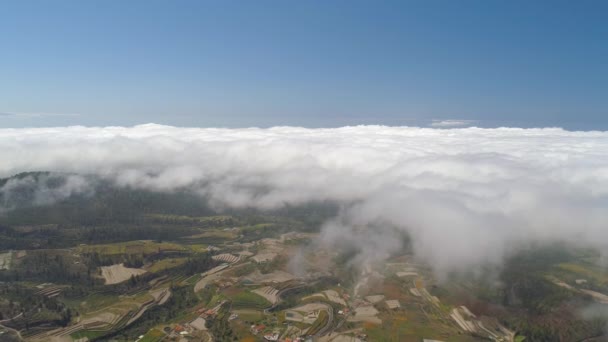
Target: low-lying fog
(465, 196)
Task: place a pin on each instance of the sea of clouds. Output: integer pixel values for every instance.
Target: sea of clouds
(466, 196)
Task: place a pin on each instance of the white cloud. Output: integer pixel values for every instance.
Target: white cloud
(466, 196)
(13, 192)
(452, 123)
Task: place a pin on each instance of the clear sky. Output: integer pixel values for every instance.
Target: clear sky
(307, 63)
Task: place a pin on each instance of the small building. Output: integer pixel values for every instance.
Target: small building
(256, 329)
(271, 337)
(393, 304)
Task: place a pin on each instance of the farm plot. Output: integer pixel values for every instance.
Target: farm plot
(268, 292)
(118, 273)
(131, 247)
(226, 257)
(365, 314)
(307, 313)
(334, 297)
(273, 277)
(246, 299)
(164, 264)
(5, 260)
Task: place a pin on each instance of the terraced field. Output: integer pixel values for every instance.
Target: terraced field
(249, 300)
(268, 292)
(131, 247)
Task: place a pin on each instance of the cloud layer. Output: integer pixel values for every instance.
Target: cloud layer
(466, 196)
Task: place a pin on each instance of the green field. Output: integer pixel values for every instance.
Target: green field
(398, 329)
(164, 264)
(249, 315)
(214, 221)
(131, 247)
(589, 272)
(257, 226)
(319, 323)
(246, 299)
(214, 235)
(94, 302)
(153, 335)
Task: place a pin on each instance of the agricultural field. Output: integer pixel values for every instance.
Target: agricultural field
(261, 277)
(131, 247)
(153, 335)
(6, 260)
(118, 273)
(249, 300)
(397, 303)
(212, 236)
(203, 221)
(581, 270)
(164, 264)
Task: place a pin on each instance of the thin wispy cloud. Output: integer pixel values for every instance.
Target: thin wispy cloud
(452, 123)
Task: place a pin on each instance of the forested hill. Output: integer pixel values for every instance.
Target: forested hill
(43, 197)
(42, 209)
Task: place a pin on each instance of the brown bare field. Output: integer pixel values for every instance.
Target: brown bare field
(118, 273)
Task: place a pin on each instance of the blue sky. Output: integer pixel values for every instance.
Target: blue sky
(307, 63)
